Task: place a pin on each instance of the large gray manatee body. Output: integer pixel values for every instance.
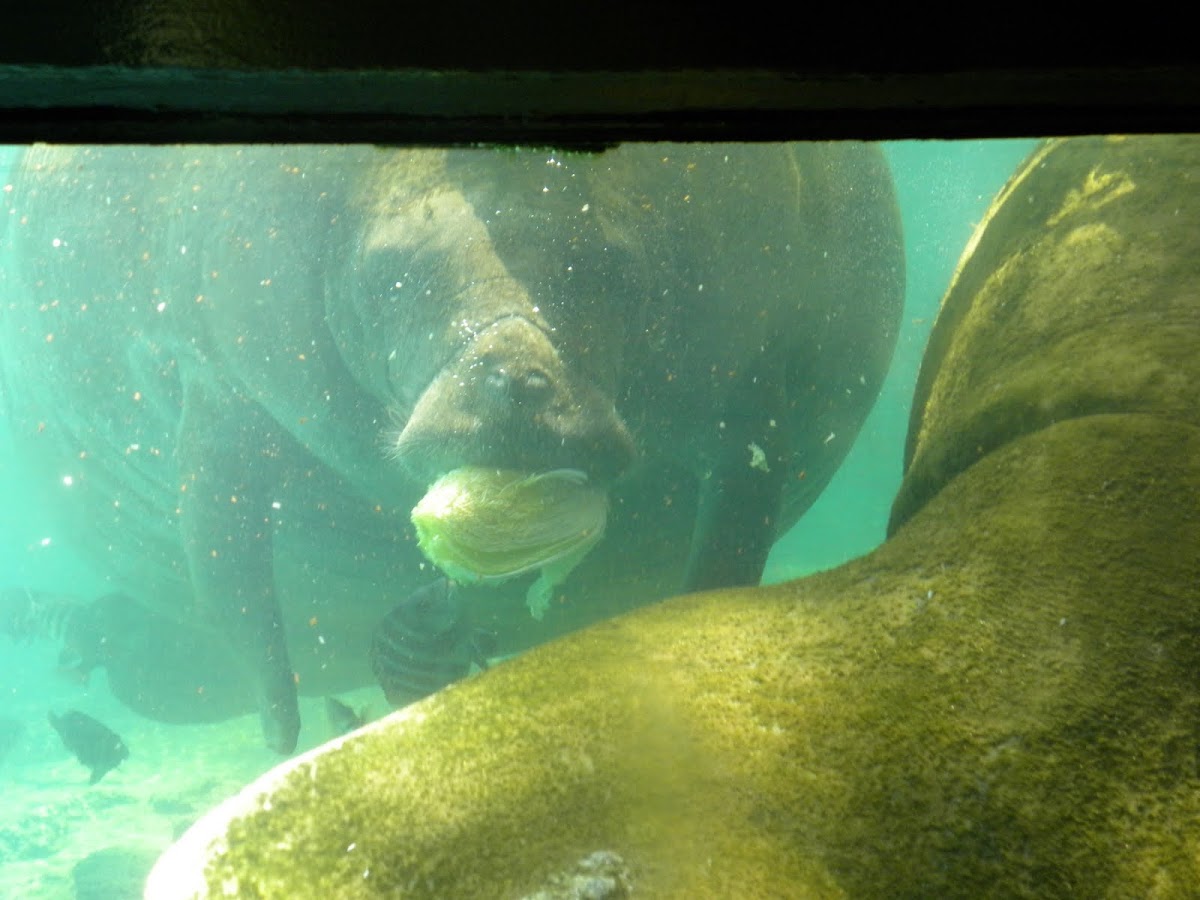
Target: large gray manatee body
(233, 372)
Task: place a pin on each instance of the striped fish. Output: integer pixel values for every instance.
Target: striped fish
(426, 643)
(27, 615)
(74, 624)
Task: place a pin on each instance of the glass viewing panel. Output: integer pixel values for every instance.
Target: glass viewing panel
(294, 436)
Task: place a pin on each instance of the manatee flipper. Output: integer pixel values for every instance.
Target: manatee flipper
(735, 526)
(740, 499)
(228, 467)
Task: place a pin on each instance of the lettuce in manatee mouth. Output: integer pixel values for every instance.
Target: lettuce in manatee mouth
(481, 524)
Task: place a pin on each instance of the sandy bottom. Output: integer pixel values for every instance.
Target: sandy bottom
(61, 839)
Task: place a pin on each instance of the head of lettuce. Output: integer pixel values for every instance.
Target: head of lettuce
(482, 524)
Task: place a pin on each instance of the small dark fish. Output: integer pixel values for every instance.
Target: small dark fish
(94, 744)
(426, 643)
(341, 717)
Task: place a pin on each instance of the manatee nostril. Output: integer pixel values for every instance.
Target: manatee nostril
(532, 389)
(497, 383)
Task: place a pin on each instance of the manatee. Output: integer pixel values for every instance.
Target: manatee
(1130, 205)
(999, 701)
(233, 372)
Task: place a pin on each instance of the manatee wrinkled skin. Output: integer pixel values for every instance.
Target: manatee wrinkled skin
(233, 372)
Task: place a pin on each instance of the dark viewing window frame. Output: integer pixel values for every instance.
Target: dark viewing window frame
(580, 75)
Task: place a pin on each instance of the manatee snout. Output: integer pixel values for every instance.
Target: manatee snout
(510, 400)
